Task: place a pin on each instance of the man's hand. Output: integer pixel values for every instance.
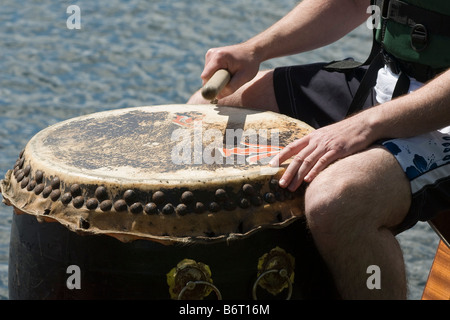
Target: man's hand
(240, 60)
(311, 24)
(319, 149)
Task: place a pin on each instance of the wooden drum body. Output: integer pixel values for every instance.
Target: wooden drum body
(162, 202)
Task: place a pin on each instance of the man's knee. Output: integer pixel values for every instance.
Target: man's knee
(325, 199)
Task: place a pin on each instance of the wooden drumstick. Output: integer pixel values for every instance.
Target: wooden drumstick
(214, 85)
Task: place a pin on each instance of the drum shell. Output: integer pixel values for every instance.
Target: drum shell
(40, 254)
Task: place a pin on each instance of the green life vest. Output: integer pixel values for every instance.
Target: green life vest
(417, 31)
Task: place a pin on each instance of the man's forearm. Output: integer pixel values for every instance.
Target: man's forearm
(310, 25)
(427, 109)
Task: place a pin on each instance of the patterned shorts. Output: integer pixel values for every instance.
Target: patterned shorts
(319, 97)
(426, 162)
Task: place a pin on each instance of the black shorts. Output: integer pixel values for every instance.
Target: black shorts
(316, 96)
(320, 97)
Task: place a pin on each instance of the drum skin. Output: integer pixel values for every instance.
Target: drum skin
(125, 197)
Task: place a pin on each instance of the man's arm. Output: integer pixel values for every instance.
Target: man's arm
(310, 25)
(424, 110)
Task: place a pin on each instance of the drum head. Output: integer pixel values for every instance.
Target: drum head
(172, 173)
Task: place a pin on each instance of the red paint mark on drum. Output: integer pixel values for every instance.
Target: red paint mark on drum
(256, 152)
(186, 121)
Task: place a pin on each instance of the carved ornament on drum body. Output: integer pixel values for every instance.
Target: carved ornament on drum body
(114, 173)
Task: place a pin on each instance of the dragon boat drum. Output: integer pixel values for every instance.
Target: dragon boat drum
(160, 202)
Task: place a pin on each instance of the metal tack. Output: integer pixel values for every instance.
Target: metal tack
(47, 191)
(24, 182)
(274, 184)
(20, 175)
(248, 189)
(269, 197)
(75, 190)
(55, 183)
(78, 202)
(136, 208)
(31, 185)
(168, 209)
(214, 207)
(39, 176)
(181, 209)
(244, 203)
(129, 196)
(106, 205)
(39, 188)
(120, 205)
(21, 162)
(221, 195)
(200, 207)
(101, 193)
(256, 201)
(92, 204)
(187, 197)
(151, 208)
(27, 170)
(55, 194)
(158, 197)
(66, 198)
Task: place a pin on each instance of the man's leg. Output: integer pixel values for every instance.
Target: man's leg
(256, 94)
(350, 208)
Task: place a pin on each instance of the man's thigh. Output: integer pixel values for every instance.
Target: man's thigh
(369, 189)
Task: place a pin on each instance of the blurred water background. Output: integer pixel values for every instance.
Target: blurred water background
(131, 53)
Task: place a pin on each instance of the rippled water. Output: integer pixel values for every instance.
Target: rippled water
(134, 53)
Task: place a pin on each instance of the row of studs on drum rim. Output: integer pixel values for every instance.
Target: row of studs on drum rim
(100, 199)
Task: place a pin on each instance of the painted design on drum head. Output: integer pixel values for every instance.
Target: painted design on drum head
(187, 120)
(255, 152)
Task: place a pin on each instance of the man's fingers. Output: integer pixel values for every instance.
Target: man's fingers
(289, 151)
(321, 164)
(213, 61)
(299, 167)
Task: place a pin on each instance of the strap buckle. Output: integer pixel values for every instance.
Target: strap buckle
(392, 63)
(419, 37)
